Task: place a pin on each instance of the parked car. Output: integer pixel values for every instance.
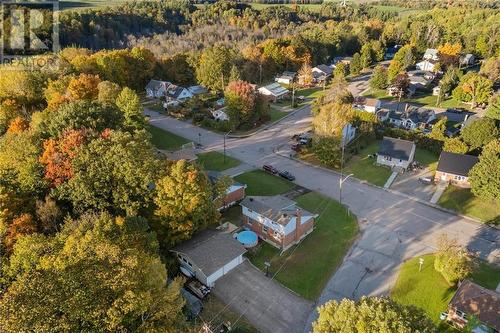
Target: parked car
(270, 169)
(287, 175)
(425, 180)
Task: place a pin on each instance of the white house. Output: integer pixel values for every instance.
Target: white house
(431, 54)
(175, 92)
(396, 153)
(156, 88)
(468, 60)
(322, 72)
(411, 118)
(426, 65)
(274, 91)
(286, 77)
(209, 255)
(367, 104)
(420, 78)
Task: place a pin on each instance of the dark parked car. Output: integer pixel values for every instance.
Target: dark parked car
(270, 169)
(287, 175)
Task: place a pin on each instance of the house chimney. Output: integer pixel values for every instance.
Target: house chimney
(298, 215)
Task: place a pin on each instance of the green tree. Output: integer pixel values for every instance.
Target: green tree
(379, 78)
(356, 65)
(130, 105)
(480, 133)
(214, 67)
(184, 203)
(341, 70)
(483, 177)
(78, 115)
(438, 131)
(473, 88)
(113, 172)
(367, 56)
(100, 273)
(453, 261)
(328, 151)
(455, 145)
(491, 69)
(394, 69)
(332, 118)
(108, 92)
(493, 110)
(305, 74)
(405, 56)
(234, 74)
(371, 314)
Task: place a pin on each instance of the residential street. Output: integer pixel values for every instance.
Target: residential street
(393, 226)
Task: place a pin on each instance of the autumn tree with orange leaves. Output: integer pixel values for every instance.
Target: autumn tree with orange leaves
(18, 125)
(20, 226)
(58, 155)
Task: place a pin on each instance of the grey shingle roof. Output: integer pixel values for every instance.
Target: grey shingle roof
(457, 164)
(396, 148)
(209, 250)
(325, 69)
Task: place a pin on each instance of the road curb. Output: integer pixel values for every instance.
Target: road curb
(469, 219)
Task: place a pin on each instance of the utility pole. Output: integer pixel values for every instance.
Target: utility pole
(293, 94)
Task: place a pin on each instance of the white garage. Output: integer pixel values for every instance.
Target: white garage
(209, 255)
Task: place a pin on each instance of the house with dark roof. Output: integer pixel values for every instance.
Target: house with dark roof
(473, 300)
(454, 168)
(209, 255)
(234, 193)
(277, 220)
(396, 153)
(321, 73)
(286, 77)
(156, 88)
(412, 117)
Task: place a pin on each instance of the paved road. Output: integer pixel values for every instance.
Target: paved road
(393, 227)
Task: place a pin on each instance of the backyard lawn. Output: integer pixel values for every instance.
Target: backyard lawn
(262, 183)
(363, 166)
(428, 290)
(216, 312)
(464, 202)
(162, 139)
(426, 158)
(307, 267)
(214, 161)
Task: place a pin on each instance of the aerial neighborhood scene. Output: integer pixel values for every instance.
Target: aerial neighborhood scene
(251, 166)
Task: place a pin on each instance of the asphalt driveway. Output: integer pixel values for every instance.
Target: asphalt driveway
(266, 304)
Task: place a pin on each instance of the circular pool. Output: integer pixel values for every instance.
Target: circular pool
(247, 238)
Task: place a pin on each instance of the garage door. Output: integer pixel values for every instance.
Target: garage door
(224, 270)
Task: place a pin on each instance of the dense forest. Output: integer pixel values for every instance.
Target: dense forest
(89, 210)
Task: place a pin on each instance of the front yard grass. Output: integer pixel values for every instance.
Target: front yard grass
(261, 183)
(307, 267)
(216, 312)
(276, 114)
(428, 289)
(162, 139)
(363, 166)
(214, 161)
(464, 202)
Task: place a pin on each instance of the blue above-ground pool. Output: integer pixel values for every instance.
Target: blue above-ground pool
(247, 238)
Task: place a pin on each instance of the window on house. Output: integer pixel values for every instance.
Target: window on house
(265, 228)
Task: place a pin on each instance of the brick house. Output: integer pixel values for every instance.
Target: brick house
(454, 168)
(277, 220)
(474, 300)
(234, 193)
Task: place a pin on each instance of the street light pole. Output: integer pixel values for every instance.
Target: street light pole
(225, 135)
(341, 181)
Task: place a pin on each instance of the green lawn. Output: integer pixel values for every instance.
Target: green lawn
(216, 312)
(308, 266)
(425, 100)
(313, 92)
(363, 167)
(214, 161)
(262, 183)
(428, 290)
(276, 114)
(426, 158)
(464, 202)
(162, 139)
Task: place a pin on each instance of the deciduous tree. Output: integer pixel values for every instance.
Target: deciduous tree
(473, 88)
(493, 110)
(84, 87)
(455, 145)
(214, 67)
(480, 132)
(184, 203)
(491, 69)
(240, 99)
(453, 261)
(305, 74)
(18, 125)
(379, 78)
(130, 105)
(483, 177)
(371, 314)
(356, 66)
